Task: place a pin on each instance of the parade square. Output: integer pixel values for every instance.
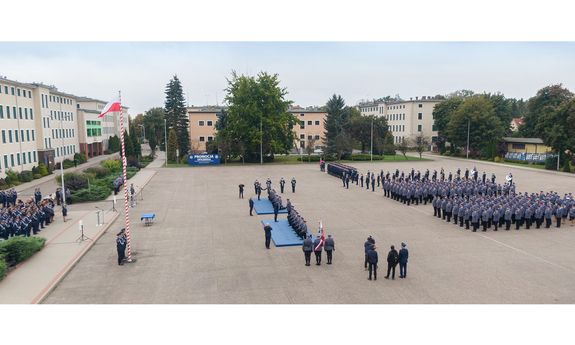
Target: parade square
(216, 253)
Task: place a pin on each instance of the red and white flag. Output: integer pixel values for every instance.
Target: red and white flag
(112, 106)
(321, 238)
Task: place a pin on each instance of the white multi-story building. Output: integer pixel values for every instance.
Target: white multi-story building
(405, 119)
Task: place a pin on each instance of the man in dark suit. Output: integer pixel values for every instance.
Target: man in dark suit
(329, 248)
(366, 247)
(251, 206)
(268, 232)
(372, 260)
(307, 248)
(403, 256)
(392, 258)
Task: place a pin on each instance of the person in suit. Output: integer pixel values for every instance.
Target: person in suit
(307, 248)
(366, 247)
(282, 184)
(293, 182)
(403, 256)
(372, 260)
(121, 246)
(241, 187)
(392, 259)
(276, 211)
(329, 248)
(251, 206)
(268, 234)
(317, 247)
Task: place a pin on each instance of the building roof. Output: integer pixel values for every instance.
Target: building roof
(523, 140)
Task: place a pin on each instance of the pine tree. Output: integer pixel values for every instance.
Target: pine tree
(176, 115)
(337, 126)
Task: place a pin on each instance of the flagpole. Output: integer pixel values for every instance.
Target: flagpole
(125, 178)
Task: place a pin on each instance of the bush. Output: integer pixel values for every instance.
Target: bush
(68, 164)
(35, 170)
(497, 159)
(11, 177)
(132, 162)
(3, 268)
(131, 171)
(74, 180)
(551, 163)
(80, 158)
(114, 165)
(17, 249)
(36, 176)
(43, 169)
(365, 157)
(315, 158)
(98, 172)
(3, 184)
(25, 176)
(95, 193)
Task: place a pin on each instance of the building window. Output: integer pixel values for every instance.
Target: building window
(31, 114)
(317, 137)
(18, 158)
(5, 161)
(27, 135)
(29, 94)
(12, 92)
(9, 136)
(210, 138)
(24, 157)
(309, 137)
(302, 114)
(33, 137)
(419, 128)
(202, 139)
(518, 146)
(420, 105)
(434, 127)
(200, 123)
(419, 116)
(29, 157)
(302, 144)
(302, 124)
(20, 112)
(12, 155)
(7, 111)
(34, 156)
(210, 123)
(309, 123)
(317, 123)
(16, 135)
(18, 96)
(1, 112)
(3, 136)
(302, 136)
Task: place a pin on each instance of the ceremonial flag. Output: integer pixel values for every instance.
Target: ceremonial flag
(112, 106)
(321, 238)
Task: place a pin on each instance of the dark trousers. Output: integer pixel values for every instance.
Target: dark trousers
(317, 258)
(373, 267)
(293, 189)
(390, 268)
(402, 270)
(558, 222)
(281, 188)
(475, 226)
(268, 238)
(251, 209)
(448, 217)
(121, 254)
(507, 224)
(547, 222)
(329, 254)
(275, 216)
(538, 223)
(467, 224)
(484, 225)
(307, 257)
(241, 195)
(366, 262)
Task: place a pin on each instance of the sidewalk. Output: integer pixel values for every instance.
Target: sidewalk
(31, 281)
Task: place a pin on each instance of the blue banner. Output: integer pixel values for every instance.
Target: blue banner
(203, 159)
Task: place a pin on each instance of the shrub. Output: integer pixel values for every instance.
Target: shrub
(18, 249)
(43, 169)
(497, 159)
(35, 170)
(114, 165)
(3, 268)
(131, 171)
(11, 177)
(365, 157)
(80, 158)
(74, 180)
(98, 172)
(133, 162)
(95, 193)
(36, 176)
(68, 163)
(3, 184)
(25, 176)
(315, 158)
(551, 163)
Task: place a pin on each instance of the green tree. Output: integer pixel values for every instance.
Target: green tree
(114, 144)
(421, 143)
(172, 145)
(128, 145)
(176, 115)
(136, 146)
(442, 114)
(503, 109)
(337, 124)
(541, 110)
(154, 126)
(254, 103)
(485, 127)
(388, 145)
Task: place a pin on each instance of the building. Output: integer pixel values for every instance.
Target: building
(203, 121)
(40, 124)
(310, 128)
(202, 126)
(405, 119)
(526, 145)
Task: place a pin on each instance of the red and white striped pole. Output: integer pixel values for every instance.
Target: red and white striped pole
(124, 174)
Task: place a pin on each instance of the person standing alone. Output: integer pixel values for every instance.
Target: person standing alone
(268, 233)
(241, 187)
(121, 246)
(403, 256)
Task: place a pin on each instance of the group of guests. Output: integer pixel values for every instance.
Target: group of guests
(525, 209)
(24, 218)
(296, 221)
(393, 258)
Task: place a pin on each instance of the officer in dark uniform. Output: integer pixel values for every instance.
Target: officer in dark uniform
(366, 247)
(282, 184)
(403, 256)
(121, 246)
(392, 259)
(276, 211)
(259, 190)
(329, 248)
(241, 187)
(251, 206)
(317, 246)
(307, 248)
(268, 233)
(372, 259)
(293, 182)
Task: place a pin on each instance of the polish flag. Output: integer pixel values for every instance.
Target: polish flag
(112, 106)
(322, 236)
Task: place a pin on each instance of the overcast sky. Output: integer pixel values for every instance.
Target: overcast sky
(310, 71)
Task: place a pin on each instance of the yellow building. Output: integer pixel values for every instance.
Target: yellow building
(311, 127)
(526, 145)
(202, 126)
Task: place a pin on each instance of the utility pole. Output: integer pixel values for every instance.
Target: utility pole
(165, 143)
(62, 153)
(468, 127)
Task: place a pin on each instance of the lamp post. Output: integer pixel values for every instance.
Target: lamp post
(62, 152)
(468, 127)
(165, 143)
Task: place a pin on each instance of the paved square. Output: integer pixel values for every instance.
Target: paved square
(205, 248)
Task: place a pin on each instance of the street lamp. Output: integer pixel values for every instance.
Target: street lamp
(62, 153)
(165, 143)
(468, 126)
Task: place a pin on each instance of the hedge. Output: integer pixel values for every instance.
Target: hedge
(3, 268)
(98, 172)
(365, 157)
(25, 176)
(95, 193)
(17, 249)
(114, 165)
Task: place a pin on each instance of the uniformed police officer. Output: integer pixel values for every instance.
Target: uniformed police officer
(251, 206)
(329, 248)
(282, 184)
(372, 259)
(307, 248)
(293, 182)
(241, 187)
(268, 234)
(121, 246)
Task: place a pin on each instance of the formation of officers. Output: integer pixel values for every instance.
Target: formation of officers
(258, 186)
(23, 218)
(296, 221)
(310, 245)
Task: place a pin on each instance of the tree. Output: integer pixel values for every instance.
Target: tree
(176, 115)
(421, 143)
(485, 127)
(343, 145)
(337, 125)
(310, 148)
(254, 103)
(442, 113)
(172, 145)
(502, 108)
(154, 124)
(388, 145)
(403, 147)
(128, 145)
(152, 142)
(114, 144)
